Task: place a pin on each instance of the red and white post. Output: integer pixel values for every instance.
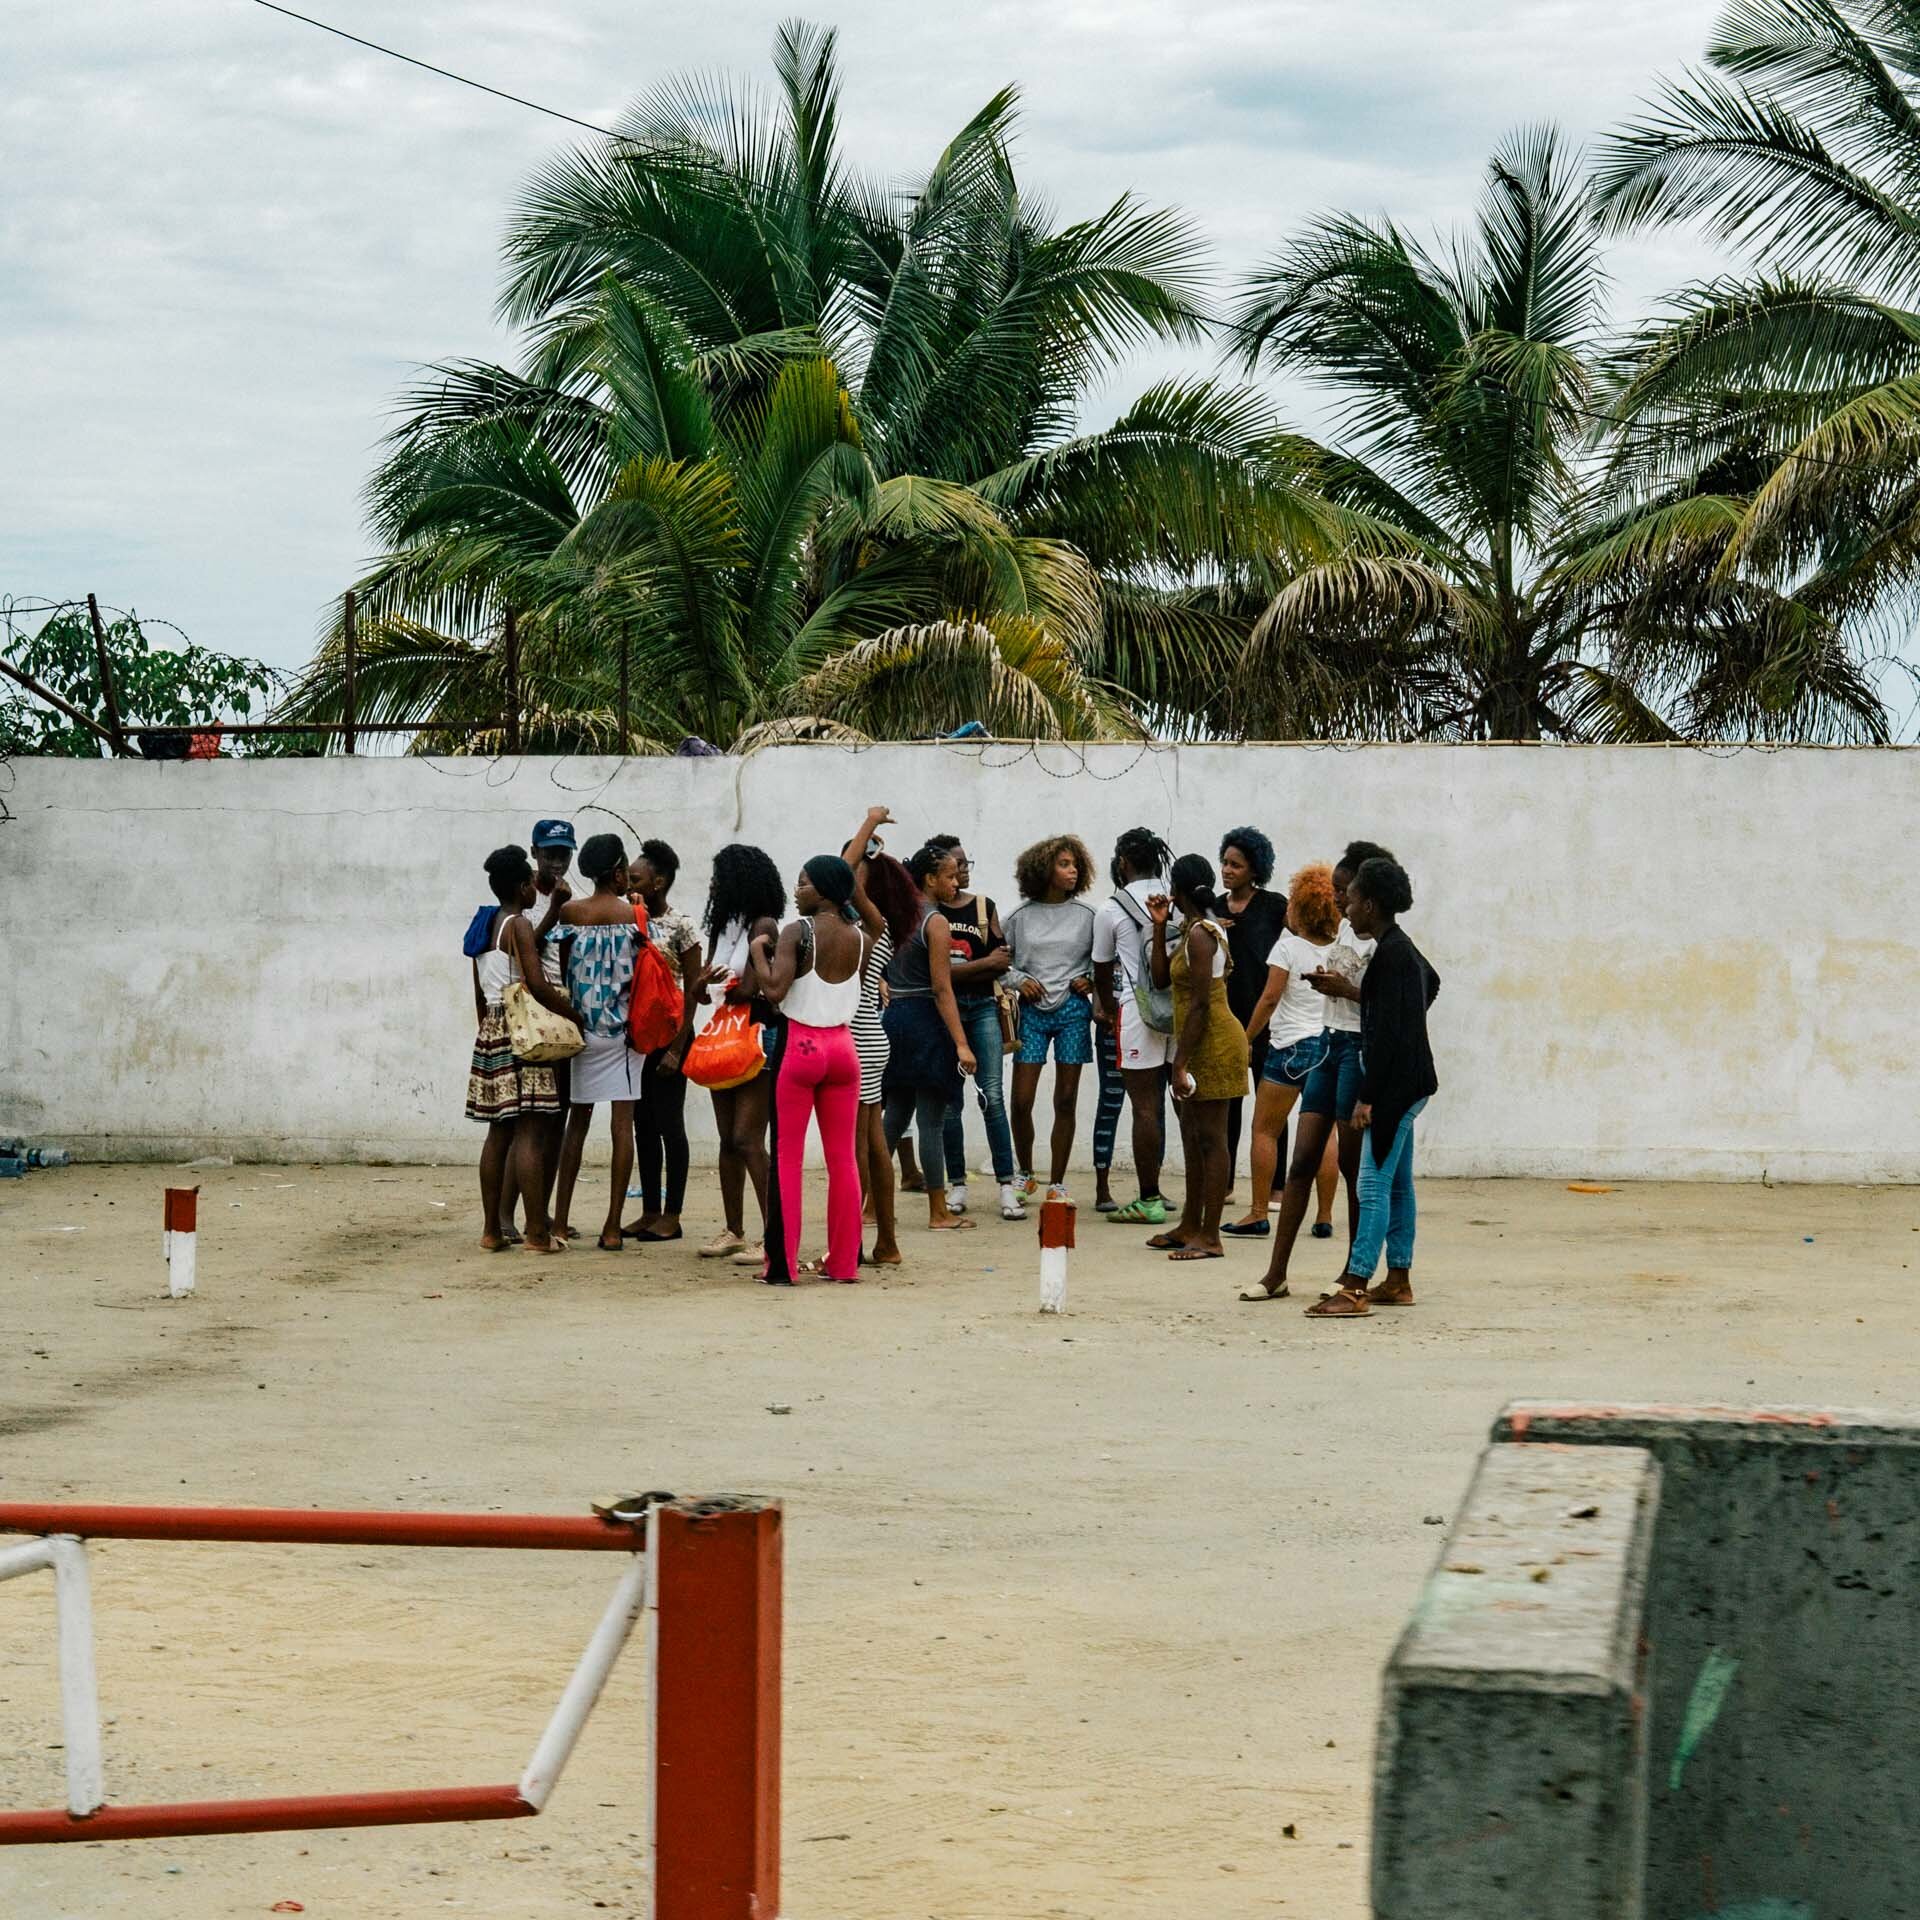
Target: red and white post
(704, 1576)
(178, 1237)
(1056, 1242)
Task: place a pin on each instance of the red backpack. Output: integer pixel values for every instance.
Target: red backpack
(657, 1007)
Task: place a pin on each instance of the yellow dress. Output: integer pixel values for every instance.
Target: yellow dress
(1219, 1063)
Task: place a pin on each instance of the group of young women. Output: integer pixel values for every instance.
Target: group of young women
(897, 983)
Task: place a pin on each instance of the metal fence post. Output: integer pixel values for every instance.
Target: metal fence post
(115, 732)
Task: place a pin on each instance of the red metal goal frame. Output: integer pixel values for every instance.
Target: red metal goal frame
(713, 1622)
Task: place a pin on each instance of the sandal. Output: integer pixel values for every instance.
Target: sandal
(1196, 1253)
(619, 1244)
(1392, 1294)
(1166, 1242)
(1281, 1292)
(1344, 1303)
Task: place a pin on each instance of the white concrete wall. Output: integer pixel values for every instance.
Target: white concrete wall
(1657, 962)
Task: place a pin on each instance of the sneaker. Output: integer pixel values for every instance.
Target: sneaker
(957, 1198)
(1059, 1193)
(1029, 1185)
(1012, 1203)
(1144, 1212)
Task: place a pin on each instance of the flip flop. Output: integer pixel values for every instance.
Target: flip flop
(1195, 1253)
(1249, 1229)
(661, 1238)
(600, 1245)
(1166, 1242)
(1260, 1294)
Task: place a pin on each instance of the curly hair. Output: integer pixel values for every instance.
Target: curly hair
(662, 859)
(1255, 849)
(1359, 852)
(890, 887)
(508, 870)
(1033, 871)
(1310, 900)
(1384, 881)
(746, 886)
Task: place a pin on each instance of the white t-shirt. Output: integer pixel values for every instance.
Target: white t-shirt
(1348, 956)
(1299, 1013)
(1121, 936)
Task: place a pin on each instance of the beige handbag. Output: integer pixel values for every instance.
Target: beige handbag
(537, 1034)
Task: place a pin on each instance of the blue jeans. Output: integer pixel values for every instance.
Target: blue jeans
(980, 1021)
(1386, 1203)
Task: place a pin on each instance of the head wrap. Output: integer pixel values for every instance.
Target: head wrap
(832, 879)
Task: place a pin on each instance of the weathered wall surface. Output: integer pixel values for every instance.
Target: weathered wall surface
(1657, 963)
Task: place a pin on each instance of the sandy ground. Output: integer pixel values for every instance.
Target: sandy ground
(1085, 1616)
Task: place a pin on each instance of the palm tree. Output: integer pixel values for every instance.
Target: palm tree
(1096, 583)
(1528, 600)
(1796, 392)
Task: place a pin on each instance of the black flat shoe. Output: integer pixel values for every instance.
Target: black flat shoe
(1323, 1229)
(1249, 1229)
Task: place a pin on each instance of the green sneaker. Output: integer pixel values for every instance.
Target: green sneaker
(1143, 1212)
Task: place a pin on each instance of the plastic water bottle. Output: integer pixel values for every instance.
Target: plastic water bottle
(48, 1157)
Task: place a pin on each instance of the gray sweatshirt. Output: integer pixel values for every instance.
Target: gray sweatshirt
(1051, 944)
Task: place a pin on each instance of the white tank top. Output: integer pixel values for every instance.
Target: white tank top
(825, 1003)
(498, 968)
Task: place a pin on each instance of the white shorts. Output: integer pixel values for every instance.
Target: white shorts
(1140, 1046)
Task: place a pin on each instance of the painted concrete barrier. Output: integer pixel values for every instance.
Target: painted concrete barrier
(1783, 1613)
(1510, 1781)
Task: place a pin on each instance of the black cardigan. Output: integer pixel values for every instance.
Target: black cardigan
(1396, 1061)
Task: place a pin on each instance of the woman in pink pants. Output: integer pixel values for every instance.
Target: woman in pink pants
(813, 976)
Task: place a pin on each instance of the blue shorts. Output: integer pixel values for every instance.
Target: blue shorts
(1291, 1066)
(1069, 1026)
(1333, 1086)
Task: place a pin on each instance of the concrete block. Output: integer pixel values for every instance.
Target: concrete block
(1784, 1620)
(1511, 1771)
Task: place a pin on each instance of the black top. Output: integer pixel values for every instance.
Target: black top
(975, 927)
(1251, 934)
(1396, 1062)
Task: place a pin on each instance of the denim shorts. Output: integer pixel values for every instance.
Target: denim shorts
(1069, 1026)
(1334, 1085)
(1291, 1066)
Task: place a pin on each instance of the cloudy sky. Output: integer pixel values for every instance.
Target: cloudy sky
(227, 238)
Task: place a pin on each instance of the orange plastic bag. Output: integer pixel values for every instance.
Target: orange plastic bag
(727, 1051)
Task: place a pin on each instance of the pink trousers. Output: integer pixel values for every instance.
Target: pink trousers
(816, 1074)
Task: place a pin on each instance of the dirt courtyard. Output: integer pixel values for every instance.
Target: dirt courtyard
(1085, 1616)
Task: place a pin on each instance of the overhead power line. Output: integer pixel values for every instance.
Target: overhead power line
(445, 73)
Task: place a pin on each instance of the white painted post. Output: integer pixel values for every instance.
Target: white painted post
(1056, 1241)
(79, 1689)
(29, 1558)
(177, 1239)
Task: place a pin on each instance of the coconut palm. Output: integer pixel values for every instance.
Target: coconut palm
(1099, 582)
(1528, 602)
(1801, 146)
(726, 556)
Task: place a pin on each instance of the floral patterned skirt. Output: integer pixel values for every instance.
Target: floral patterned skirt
(500, 1086)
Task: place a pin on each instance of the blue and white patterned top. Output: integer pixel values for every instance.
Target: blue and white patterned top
(600, 974)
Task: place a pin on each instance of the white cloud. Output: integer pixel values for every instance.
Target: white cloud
(228, 238)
